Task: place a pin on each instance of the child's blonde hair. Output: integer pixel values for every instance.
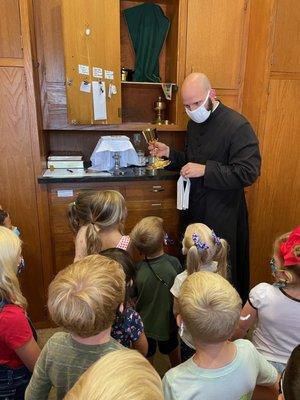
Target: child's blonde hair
(202, 246)
(148, 235)
(98, 211)
(119, 375)
(10, 253)
(286, 274)
(209, 306)
(84, 297)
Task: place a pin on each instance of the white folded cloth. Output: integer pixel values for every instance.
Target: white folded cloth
(183, 193)
(102, 156)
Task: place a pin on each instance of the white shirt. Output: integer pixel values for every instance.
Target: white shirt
(277, 331)
(234, 381)
(175, 290)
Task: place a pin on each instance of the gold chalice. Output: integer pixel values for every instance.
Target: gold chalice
(150, 135)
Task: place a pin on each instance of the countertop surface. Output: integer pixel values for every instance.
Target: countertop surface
(126, 174)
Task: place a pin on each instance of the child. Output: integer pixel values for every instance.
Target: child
(289, 385)
(205, 251)
(97, 218)
(18, 348)
(276, 308)
(83, 299)
(128, 328)
(155, 276)
(136, 379)
(210, 308)
(6, 221)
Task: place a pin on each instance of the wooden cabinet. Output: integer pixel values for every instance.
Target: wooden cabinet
(217, 43)
(143, 198)
(95, 34)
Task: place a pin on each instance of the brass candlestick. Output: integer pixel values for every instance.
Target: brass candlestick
(159, 108)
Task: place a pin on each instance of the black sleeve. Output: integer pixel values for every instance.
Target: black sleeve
(178, 158)
(243, 166)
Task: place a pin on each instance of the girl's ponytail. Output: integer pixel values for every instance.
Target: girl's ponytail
(221, 256)
(93, 241)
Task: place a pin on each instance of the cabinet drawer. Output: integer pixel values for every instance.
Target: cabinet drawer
(58, 196)
(151, 190)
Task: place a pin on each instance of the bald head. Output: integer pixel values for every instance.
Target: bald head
(195, 88)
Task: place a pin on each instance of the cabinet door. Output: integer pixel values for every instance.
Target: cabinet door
(91, 34)
(216, 40)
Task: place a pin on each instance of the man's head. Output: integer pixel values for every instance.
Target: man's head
(197, 94)
(84, 297)
(209, 307)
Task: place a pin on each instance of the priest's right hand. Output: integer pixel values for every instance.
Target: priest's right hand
(159, 149)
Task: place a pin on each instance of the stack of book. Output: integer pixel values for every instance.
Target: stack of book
(72, 160)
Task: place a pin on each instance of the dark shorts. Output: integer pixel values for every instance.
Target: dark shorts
(165, 346)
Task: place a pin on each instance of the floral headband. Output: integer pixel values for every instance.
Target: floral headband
(201, 246)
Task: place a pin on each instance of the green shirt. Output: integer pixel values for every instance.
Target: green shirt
(61, 362)
(155, 302)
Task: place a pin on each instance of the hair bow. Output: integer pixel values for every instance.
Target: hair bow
(200, 245)
(216, 238)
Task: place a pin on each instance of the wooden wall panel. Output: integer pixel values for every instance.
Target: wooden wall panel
(277, 206)
(216, 40)
(286, 57)
(17, 188)
(10, 31)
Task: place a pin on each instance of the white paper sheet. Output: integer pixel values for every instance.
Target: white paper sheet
(99, 100)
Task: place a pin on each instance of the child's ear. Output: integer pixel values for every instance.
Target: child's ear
(121, 307)
(179, 320)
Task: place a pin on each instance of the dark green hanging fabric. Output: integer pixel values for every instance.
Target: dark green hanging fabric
(148, 28)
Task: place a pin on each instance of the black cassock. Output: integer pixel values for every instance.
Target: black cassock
(228, 146)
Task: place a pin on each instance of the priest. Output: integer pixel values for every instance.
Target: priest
(221, 158)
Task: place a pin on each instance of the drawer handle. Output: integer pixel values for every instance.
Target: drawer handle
(156, 189)
(156, 205)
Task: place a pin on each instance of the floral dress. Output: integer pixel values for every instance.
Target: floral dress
(127, 327)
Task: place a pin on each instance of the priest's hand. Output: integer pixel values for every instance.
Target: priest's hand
(159, 149)
(192, 170)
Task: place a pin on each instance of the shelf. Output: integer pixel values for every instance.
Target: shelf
(127, 126)
(149, 84)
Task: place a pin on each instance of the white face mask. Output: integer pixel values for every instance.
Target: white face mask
(200, 114)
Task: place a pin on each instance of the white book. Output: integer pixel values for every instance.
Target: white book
(65, 164)
(64, 158)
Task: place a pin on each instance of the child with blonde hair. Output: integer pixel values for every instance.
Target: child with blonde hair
(83, 299)
(204, 251)
(97, 218)
(210, 308)
(18, 348)
(154, 278)
(275, 309)
(136, 379)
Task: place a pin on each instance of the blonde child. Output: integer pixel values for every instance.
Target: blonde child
(210, 308)
(154, 278)
(18, 348)
(83, 299)
(136, 379)
(97, 218)
(276, 308)
(204, 251)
